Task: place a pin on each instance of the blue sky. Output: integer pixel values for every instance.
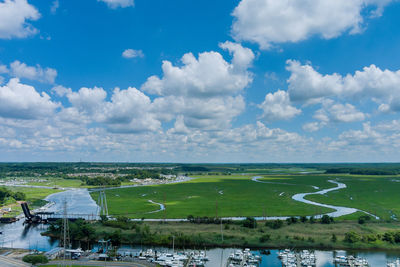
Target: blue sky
(200, 81)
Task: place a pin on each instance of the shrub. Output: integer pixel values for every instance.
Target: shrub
(333, 238)
(291, 220)
(369, 238)
(265, 238)
(363, 219)
(250, 222)
(326, 219)
(103, 218)
(388, 237)
(351, 237)
(35, 259)
(274, 224)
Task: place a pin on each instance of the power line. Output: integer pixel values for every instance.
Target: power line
(102, 208)
(65, 241)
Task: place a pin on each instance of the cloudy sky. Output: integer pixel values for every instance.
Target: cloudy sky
(200, 81)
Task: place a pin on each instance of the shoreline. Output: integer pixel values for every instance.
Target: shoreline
(314, 236)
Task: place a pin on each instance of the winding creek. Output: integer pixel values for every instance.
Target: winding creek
(162, 207)
(18, 235)
(339, 211)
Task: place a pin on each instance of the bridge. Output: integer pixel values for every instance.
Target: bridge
(45, 216)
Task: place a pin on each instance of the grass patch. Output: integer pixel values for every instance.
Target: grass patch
(231, 195)
(35, 196)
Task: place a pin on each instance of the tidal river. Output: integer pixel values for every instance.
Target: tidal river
(18, 235)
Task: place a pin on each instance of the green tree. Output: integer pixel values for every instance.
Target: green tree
(351, 237)
(250, 222)
(19, 196)
(333, 238)
(326, 219)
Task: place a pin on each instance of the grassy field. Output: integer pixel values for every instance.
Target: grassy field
(375, 194)
(58, 182)
(217, 196)
(283, 171)
(237, 195)
(299, 235)
(35, 196)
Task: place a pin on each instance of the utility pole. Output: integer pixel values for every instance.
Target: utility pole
(222, 234)
(102, 208)
(216, 208)
(165, 208)
(265, 215)
(65, 233)
(173, 244)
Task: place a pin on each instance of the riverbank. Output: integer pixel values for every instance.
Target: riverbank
(366, 236)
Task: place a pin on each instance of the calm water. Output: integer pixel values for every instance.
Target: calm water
(18, 235)
(218, 257)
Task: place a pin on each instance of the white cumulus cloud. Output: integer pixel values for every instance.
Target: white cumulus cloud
(207, 75)
(339, 113)
(22, 101)
(269, 22)
(312, 126)
(36, 73)
(131, 53)
(128, 110)
(118, 3)
(334, 113)
(309, 86)
(14, 17)
(204, 91)
(87, 100)
(277, 106)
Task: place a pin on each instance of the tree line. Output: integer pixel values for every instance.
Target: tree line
(6, 193)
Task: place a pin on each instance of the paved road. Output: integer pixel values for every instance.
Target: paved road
(101, 263)
(9, 262)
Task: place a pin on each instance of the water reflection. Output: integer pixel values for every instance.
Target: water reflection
(219, 256)
(20, 235)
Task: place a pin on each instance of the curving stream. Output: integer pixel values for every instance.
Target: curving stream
(339, 211)
(162, 207)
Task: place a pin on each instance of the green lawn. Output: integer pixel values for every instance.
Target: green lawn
(234, 196)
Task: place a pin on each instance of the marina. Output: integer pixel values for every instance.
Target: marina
(294, 259)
